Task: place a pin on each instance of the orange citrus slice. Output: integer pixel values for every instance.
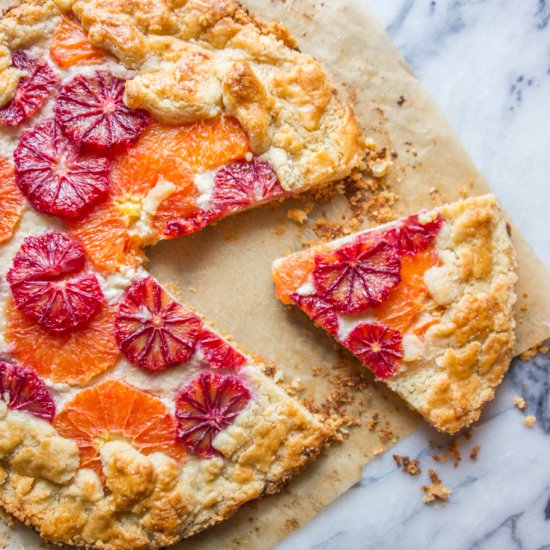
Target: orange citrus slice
(114, 410)
(11, 201)
(291, 273)
(71, 46)
(401, 308)
(73, 357)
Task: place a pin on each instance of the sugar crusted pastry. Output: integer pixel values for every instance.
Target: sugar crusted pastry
(125, 420)
(425, 302)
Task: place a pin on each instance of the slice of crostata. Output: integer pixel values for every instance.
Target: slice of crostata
(425, 302)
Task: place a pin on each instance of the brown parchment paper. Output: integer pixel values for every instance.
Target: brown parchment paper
(223, 271)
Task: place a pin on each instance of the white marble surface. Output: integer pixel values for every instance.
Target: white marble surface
(487, 65)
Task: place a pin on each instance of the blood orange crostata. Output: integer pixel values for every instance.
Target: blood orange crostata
(125, 420)
(425, 303)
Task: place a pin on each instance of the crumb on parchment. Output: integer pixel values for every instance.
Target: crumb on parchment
(297, 215)
(474, 452)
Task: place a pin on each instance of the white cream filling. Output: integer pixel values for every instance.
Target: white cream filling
(204, 183)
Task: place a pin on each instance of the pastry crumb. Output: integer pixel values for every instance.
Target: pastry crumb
(373, 422)
(527, 355)
(434, 476)
(433, 492)
(474, 452)
(297, 215)
(436, 491)
(408, 465)
(530, 421)
(451, 452)
(378, 450)
(401, 100)
(520, 403)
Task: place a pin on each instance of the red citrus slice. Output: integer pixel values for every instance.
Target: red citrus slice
(378, 347)
(219, 353)
(48, 285)
(71, 357)
(242, 184)
(319, 310)
(55, 176)
(180, 226)
(413, 236)
(205, 407)
(113, 410)
(32, 92)
(357, 276)
(91, 111)
(11, 201)
(22, 390)
(153, 330)
(70, 46)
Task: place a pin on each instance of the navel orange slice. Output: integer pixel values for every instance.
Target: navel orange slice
(70, 46)
(72, 357)
(114, 410)
(11, 201)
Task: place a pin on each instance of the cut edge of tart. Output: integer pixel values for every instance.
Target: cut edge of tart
(443, 336)
(173, 459)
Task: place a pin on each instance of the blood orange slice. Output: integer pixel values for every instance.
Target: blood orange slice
(48, 285)
(71, 357)
(358, 275)
(91, 111)
(22, 390)
(70, 46)
(219, 353)
(205, 407)
(55, 176)
(153, 330)
(378, 347)
(319, 310)
(11, 201)
(113, 410)
(32, 92)
(242, 184)
(414, 236)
